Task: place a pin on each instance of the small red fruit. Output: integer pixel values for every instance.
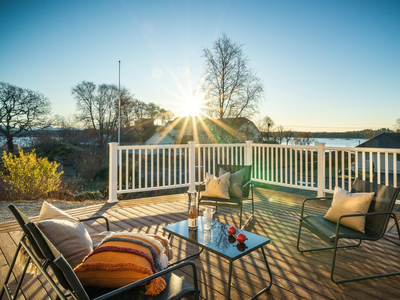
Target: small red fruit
(241, 238)
(231, 230)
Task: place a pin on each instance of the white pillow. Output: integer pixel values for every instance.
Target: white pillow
(345, 203)
(49, 211)
(66, 233)
(217, 187)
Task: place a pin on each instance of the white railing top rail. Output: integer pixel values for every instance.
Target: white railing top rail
(221, 145)
(283, 146)
(363, 149)
(130, 147)
(359, 149)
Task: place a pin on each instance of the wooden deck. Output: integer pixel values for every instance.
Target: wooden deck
(296, 276)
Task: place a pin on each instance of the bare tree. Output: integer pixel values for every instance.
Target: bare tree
(139, 109)
(303, 138)
(165, 116)
(67, 131)
(127, 108)
(231, 88)
(152, 110)
(21, 110)
(288, 134)
(397, 125)
(266, 126)
(279, 134)
(98, 108)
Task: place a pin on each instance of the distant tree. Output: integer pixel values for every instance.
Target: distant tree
(152, 110)
(288, 134)
(67, 131)
(232, 89)
(21, 110)
(303, 138)
(279, 134)
(127, 109)
(166, 116)
(397, 125)
(98, 108)
(368, 134)
(139, 109)
(266, 125)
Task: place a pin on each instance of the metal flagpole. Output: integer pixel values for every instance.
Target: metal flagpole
(119, 103)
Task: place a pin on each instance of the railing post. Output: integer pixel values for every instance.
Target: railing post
(248, 157)
(320, 169)
(113, 173)
(192, 168)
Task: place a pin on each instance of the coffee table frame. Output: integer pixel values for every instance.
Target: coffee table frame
(171, 231)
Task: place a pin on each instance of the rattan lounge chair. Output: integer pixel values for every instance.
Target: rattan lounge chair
(376, 222)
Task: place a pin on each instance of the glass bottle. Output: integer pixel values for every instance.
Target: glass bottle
(193, 213)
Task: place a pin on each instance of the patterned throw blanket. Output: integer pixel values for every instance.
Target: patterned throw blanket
(123, 258)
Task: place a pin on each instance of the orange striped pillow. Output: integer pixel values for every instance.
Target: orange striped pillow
(121, 260)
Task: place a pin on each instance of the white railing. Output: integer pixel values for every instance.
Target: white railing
(319, 168)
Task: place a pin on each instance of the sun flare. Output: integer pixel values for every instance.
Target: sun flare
(192, 107)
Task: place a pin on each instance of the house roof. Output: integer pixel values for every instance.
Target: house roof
(234, 123)
(383, 140)
(178, 123)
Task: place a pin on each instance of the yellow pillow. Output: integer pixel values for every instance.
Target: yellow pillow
(217, 187)
(345, 203)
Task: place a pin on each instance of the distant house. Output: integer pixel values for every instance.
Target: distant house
(246, 128)
(385, 141)
(161, 137)
(146, 128)
(228, 130)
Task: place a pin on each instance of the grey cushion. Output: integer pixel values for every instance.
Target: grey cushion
(327, 229)
(235, 182)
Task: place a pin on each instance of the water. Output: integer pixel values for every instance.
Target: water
(20, 141)
(340, 142)
(335, 142)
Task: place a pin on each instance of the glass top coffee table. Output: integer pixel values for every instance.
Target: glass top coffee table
(218, 241)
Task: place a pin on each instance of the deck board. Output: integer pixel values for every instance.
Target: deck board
(296, 275)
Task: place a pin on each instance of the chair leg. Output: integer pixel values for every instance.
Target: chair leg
(5, 284)
(396, 223)
(241, 211)
(356, 278)
(252, 209)
(252, 201)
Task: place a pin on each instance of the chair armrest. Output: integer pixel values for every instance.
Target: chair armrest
(201, 188)
(359, 215)
(364, 214)
(315, 199)
(247, 183)
(144, 280)
(97, 217)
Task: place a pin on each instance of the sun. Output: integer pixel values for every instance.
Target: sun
(192, 107)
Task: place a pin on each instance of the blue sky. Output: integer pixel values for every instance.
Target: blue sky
(325, 65)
